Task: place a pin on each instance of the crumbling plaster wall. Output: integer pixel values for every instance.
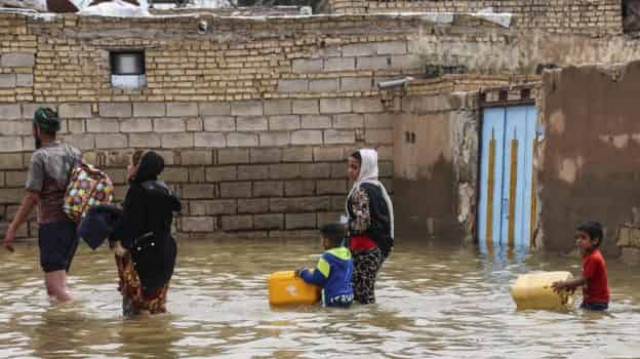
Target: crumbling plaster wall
(498, 50)
(590, 158)
(435, 161)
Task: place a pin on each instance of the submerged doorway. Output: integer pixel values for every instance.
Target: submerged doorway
(508, 206)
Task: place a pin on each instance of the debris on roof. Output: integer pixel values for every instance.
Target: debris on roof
(38, 5)
(116, 8)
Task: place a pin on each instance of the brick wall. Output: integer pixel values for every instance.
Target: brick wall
(255, 116)
(242, 60)
(589, 17)
(259, 167)
(255, 131)
(255, 124)
(17, 50)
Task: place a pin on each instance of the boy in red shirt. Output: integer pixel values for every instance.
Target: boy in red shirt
(595, 290)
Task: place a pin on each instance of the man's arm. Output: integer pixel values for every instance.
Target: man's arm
(29, 201)
(569, 285)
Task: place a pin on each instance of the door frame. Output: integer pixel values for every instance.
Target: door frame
(521, 96)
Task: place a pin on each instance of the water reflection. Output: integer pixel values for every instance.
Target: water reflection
(60, 330)
(434, 301)
(155, 336)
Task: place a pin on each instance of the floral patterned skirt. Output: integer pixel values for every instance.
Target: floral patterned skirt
(366, 265)
(133, 301)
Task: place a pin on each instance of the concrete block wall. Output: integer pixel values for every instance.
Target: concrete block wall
(255, 132)
(244, 59)
(595, 17)
(256, 167)
(255, 125)
(255, 119)
(17, 59)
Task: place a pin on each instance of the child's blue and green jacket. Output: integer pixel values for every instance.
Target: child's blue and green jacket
(333, 273)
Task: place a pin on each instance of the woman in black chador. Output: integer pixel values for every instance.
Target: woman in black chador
(145, 250)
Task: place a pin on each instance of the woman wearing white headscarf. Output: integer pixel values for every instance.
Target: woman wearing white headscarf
(370, 215)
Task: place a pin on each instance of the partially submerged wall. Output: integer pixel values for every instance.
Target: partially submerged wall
(256, 115)
(255, 124)
(435, 157)
(589, 164)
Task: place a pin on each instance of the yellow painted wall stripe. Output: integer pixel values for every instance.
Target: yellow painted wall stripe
(534, 198)
(491, 180)
(512, 191)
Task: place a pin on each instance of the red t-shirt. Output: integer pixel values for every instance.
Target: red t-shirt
(595, 271)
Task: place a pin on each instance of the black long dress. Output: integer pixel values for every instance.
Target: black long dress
(145, 231)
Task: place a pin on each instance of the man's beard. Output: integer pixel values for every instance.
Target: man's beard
(38, 141)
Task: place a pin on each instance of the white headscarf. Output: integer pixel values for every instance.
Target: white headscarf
(369, 174)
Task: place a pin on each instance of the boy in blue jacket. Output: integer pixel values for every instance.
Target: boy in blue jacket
(334, 270)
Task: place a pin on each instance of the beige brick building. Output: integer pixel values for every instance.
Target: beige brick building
(255, 116)
(598, 17)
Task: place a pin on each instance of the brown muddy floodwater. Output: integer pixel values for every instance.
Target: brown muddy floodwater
(433, 301)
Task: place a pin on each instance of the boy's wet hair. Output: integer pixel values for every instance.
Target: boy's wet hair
(593, 229)
(334, 232)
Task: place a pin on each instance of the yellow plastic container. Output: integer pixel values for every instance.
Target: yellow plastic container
(533, 291)
(287, 289)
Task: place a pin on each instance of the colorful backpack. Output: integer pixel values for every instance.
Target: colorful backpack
(88, 187)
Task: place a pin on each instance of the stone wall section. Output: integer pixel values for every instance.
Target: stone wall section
(256, 167)
(242, 60)
(255, 124)
(593, 17)
(17, 59)
(256, 116)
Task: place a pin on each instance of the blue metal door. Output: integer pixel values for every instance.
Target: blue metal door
(507, 194)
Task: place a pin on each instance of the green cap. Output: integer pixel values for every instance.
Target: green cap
(47, 119)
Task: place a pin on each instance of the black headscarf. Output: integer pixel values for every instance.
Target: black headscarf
(150, 167)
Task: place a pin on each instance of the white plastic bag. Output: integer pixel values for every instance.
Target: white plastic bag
(117, 8)
(39, 5)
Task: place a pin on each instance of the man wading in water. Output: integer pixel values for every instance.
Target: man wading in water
(47, 181)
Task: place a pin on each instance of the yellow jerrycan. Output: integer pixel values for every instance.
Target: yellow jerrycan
(533, 291)
(287, 289)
